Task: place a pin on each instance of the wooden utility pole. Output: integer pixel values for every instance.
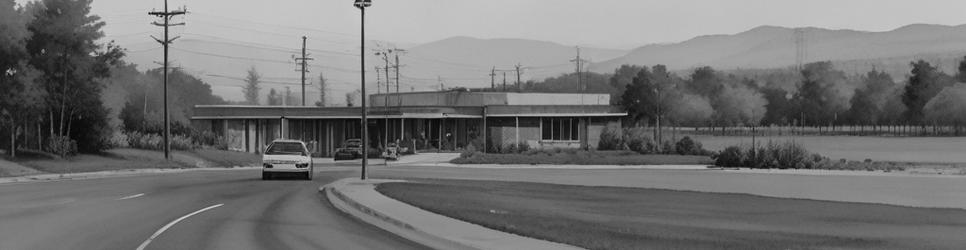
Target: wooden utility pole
(166, 17)
(303, 60)
(518, 75)
(504, 81)
(493, 78)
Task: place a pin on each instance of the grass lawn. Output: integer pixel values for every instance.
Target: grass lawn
(579, 157)
(638, 218)
(128, 158)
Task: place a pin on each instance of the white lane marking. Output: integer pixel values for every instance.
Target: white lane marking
(130, 196)
(156, 234)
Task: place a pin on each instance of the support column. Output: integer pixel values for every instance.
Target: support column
(485, 138)
(283, 128)
(517, 130)
(248, 145)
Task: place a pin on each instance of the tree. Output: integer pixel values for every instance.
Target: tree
(251, 86)
(779, 108)
(961, 71)
(274, 99)
(322, 91)
(948, 107)
(705, 82)
(18, 94)
(925, 83)
(650, 94)
(739, 105)
(350, 99)
(691, 110)
(819, 97)
(868, 102)
(622, 77)
(63, 48)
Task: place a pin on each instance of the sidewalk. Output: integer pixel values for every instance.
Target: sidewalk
(360, 199)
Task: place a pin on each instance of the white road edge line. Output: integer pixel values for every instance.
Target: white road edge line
(156, 234)
(131, 196)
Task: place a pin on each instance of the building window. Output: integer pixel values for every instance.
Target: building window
(560, 129)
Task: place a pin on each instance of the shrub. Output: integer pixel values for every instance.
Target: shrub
(523, 147)
(610, 139)
(687, 146)
(790, 155)
(636, 139)
(667, 148)
(62, 146)
(731, 157)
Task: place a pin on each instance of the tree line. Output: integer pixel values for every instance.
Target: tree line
(817, 95)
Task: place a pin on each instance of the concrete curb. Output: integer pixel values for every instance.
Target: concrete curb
(477, 238)
(550, 166)
(397, 227)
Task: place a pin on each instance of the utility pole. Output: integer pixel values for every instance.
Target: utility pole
(385, 102)
(166, 16)
(492, 78)
(504, 81)
(518, 75)
(578, 63)
(378, 80)
(440, 79)
(303, 60)
(398, 100)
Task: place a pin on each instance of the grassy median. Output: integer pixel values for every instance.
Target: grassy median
(635, 218)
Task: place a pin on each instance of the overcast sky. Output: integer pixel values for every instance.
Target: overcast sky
(572, 22)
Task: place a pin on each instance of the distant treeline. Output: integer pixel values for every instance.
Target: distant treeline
(817, 95)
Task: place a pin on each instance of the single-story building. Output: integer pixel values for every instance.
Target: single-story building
(449, 120)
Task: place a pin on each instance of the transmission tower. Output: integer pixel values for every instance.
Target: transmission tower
(579, 65)
(166, 17)
(801, 48)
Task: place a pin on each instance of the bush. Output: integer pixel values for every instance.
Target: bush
(687, 146)
(790, 155)
(156, 142)
(636, 139)
(62, 146)
(730, 157)
(610, 139)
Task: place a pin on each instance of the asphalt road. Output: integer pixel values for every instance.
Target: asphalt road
(192, 210)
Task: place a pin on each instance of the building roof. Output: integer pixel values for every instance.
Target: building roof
(210, 112)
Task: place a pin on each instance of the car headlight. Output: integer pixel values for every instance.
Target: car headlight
(302, 165)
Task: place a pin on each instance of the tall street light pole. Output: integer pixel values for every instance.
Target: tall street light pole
(362, 4)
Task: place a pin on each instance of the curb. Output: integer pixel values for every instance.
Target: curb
(434, 240)
(368, 215)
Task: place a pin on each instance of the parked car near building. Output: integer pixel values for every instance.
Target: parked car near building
(351, 149)
(287, 156)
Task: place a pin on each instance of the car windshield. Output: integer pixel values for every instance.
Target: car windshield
(353, 143)
(285, 148)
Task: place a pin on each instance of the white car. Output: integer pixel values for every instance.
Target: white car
(287, 156)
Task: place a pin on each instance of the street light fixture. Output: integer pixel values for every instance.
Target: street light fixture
(362, 5)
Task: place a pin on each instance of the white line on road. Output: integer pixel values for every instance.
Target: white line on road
(169, 225)
(130, 196)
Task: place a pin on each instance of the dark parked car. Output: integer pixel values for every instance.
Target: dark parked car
(350, 150)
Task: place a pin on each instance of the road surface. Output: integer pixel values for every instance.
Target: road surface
(192, 210)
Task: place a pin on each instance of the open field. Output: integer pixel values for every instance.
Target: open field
(898, 149)
(638, 218)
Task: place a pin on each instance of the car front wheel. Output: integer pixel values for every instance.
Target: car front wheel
(266, 176)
